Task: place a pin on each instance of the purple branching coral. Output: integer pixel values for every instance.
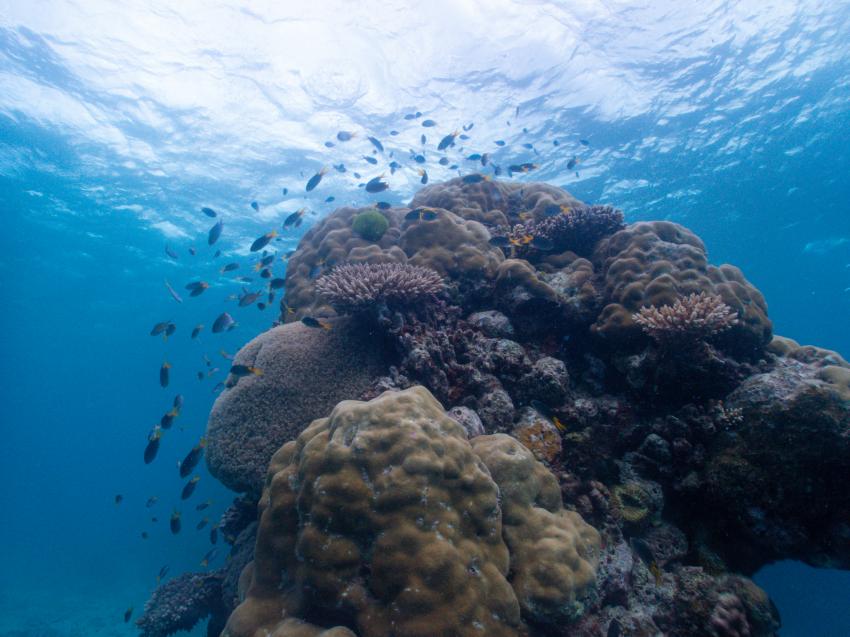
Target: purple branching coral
(356, 287)
(576, 229)
(181, 603)
(579, 228)
(694, 318)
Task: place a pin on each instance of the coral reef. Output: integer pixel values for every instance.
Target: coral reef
(306, 372)
(626, 440)
(358, 287)
(383, 519)
(181, 603)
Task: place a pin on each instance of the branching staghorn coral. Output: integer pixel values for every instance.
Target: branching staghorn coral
(693, 318)
(355, 287)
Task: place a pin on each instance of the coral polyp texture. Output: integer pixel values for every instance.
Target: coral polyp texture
(694, 318)
(385, 520)
(583, 428)
(354, 287)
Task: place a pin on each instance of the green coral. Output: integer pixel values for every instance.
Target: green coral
(370, 225)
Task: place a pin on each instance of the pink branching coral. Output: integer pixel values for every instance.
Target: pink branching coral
(693, 318)
(354, 287)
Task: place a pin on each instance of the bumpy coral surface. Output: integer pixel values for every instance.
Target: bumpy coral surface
(657, 263)
(181, 603)
(554, 553)
(383, 519)
(306, 371)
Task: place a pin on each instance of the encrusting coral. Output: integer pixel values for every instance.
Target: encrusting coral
(383, 519)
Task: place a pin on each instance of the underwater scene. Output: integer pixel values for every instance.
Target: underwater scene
(425, 319)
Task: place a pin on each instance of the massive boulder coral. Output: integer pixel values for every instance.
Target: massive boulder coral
(655, 264)
(305, 372)
(383, 519)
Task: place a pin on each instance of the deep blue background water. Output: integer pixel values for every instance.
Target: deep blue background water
(737, 126)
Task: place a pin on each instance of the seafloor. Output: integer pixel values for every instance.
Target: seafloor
(554, 423)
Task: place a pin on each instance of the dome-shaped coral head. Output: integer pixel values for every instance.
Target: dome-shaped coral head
(370, 225)
(690, 320)
(358, 287)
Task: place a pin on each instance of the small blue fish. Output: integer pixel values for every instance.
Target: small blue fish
(376, 143)
(215, 232)
(255, 206)
(329, 144)
(447, 141)
(428, 123)
(208, 212)
(344, 136)
(371, 160)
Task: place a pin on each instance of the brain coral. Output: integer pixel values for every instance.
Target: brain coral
(305, 373)
(381, 518)
(656, 263)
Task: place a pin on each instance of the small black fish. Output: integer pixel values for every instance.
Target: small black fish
(208, 212)
(344, 136)
(127, 614)
(163, 571)
(151, 501)
(376, 143)
(376, 184)
(642, 550)
(119, 499)
(203, 505)
(174, 523)
(159, 328)
(171, 253)
(245, 370)
(263, 241)
(424, 214)
(230, 267)
(189, 488)
(428, 123)
(202, 524)
(197, 287)
(145, 535)
(295, 218)
(215, 232)
(223, 322)
(209, 556)
(192, 458)
(192, 251)
(261, 306)
(474, 178)
(424, 176)
(255, 206)
(276, 284)
(309, 321)
(383, 205)
(329, 199)
(371, 160)
(447, 141)
(153, 444)
(168, 419)
(197, 330)
(214, 534)
(163, 374)
(499, 142)
(572, 163)
(315, 179)
(584, 142)
(521, 168)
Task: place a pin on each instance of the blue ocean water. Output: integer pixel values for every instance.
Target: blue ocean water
(117, 123)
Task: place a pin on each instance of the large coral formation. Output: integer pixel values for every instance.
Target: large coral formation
(305, 373)
(382, 518)
(181, 603)
(695, 462)
(657, 263)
